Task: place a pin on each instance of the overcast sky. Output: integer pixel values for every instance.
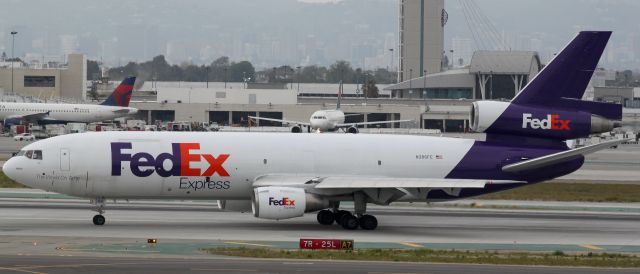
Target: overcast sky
(292, 31)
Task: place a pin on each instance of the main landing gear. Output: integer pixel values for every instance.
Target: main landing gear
(99, 204)
(347, 220)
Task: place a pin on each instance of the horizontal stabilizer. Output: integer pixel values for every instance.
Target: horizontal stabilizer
(606, 110)
(559, 157)
(333, 182)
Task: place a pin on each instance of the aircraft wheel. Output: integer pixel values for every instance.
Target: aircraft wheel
(98, 220)
(339, 214)
(325, 217)
(350, 222)
(368, 222)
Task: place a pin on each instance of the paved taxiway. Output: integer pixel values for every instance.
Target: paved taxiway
(57, 236)
(183, 221)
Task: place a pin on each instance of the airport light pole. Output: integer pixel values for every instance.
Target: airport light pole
(391, 65)
(490, 85)
(207, 75)
(225, 77)
(13, 56)
(410, 77)
(424, 79)
(298, 68)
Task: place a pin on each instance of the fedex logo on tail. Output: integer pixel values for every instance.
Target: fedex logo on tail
(552, 122)
(182, 155)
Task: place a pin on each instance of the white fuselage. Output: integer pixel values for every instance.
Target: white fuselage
(214, 165)
(82, 113)
(326, 120)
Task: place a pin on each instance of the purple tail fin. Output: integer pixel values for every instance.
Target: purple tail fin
(550, 106)
(568, 74)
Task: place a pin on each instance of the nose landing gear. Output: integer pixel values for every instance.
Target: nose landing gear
(99, 204)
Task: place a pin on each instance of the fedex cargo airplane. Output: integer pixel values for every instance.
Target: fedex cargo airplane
(115, 106)
(328, 120)
(280, 176)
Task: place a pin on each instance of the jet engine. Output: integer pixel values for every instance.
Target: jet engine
(296, 129)
(353, 130)
(567, 122)
(11, 121)
(277, 203)
(235, 205)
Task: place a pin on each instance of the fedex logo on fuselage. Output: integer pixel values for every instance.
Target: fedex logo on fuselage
(553, 122)
(283, 202)
(143, 164)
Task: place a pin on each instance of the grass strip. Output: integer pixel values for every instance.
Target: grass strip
(585, 191)
(556, 258)
(6, 182)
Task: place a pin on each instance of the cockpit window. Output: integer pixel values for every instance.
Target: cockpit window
(31, 154)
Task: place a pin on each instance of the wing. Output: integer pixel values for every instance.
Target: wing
(280, 120)
(559, 157)
(120, 111)
(32, 118)
(381, 190)
(372, 123)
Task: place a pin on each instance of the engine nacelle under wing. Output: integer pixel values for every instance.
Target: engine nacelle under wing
(277, 203)
(353, 130)
(12, 121)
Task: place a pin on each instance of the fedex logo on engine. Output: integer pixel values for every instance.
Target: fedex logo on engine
(182, 155)
(283, 202)
(553, 122)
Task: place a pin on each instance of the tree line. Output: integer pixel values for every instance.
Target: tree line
(222, 69)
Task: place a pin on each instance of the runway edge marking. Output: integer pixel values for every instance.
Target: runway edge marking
(243, 243)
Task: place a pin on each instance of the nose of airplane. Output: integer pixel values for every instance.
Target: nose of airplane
(315, 123)
(9, 169)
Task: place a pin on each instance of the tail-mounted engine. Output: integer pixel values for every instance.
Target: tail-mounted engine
(539, 121)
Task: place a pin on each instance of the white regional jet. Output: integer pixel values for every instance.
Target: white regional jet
(115, 106)
(328, 120)
(284, 175)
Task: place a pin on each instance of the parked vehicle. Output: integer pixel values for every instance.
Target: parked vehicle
(24, 137)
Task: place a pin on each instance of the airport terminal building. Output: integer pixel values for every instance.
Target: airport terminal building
(45, 81)
(438, 101)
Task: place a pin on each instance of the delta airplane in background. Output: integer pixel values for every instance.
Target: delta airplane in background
(328, 120)
(283, 175)
(116, 105)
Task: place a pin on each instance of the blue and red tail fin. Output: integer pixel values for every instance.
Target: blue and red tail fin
(122, 94)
